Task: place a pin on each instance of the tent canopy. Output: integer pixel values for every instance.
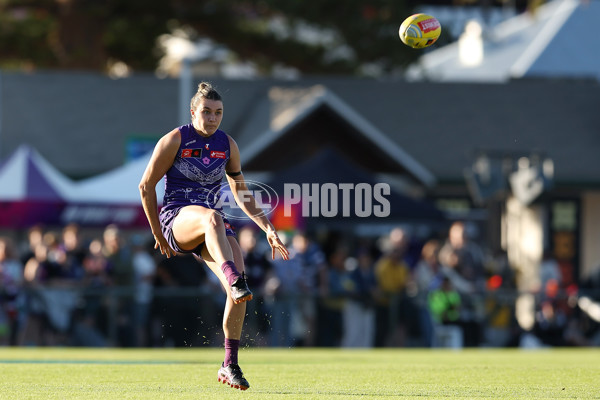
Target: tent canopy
(118, 186)
(26, 175)
(34, 192)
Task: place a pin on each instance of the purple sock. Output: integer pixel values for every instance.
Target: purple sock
(231, 351)
(230, 271)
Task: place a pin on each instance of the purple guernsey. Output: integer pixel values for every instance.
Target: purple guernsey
(198, 169)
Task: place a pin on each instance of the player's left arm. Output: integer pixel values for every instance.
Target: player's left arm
(247, 202)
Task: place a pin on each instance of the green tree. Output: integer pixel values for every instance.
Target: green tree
(88, 34)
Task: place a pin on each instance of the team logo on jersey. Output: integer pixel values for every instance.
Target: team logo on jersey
(191, 153)
(218, 154)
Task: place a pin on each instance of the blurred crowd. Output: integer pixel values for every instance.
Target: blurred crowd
(111, 288)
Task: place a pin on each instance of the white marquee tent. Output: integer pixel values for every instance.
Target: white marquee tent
(26, 175)
(31, 189)
(34, 192)
(111, 197)
(119, 185)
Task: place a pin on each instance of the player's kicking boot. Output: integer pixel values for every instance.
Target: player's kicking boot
(233, 376)
(240, 291)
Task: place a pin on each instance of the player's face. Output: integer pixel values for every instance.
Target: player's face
(207, 116)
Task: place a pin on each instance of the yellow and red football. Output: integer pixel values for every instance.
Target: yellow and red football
(420, 30)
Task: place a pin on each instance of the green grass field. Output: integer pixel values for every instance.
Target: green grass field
(66, 373)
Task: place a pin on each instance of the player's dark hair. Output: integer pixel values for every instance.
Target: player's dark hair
(205, 91)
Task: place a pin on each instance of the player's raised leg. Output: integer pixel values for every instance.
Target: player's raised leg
(195, 225)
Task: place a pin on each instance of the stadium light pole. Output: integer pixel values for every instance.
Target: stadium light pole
(185, 90)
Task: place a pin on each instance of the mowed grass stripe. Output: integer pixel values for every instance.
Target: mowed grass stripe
(42, 373)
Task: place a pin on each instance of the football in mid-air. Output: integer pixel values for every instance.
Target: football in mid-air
(420, 30)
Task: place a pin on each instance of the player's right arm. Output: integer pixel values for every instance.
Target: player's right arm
(160, 162)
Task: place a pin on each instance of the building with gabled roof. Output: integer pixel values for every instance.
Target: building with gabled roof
(420, 137)
(311, 118)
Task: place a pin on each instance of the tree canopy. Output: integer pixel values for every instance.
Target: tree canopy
(315, 37)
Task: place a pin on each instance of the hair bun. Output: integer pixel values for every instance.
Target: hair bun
(205, 87)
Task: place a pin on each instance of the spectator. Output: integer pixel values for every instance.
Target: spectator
(359, 309)
(96, 266)
(11, 280)
(283, 287)
(122, 275)
(469, 256)
(74, 251)
(550, 274)
(465, 260)
(392, 273)
(56, 256)
(257, 266)
(34, 274)
(312, 264)
(39, 268)
(427, 276)
(445, 306)
(550, 324)
(91, 327)
(50, 300)
(118, 256)
(335, 285)
(499, 303)
(35, 235)
(144, 269)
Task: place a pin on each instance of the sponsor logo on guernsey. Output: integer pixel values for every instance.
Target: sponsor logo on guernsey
(429, 25)
(206, 146)
(191, 153)
(217, 154)
(190, 142)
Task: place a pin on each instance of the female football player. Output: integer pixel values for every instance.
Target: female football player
(194, 158)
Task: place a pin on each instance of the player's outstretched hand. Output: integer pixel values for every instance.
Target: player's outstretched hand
(163, 246)
(277, 244)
